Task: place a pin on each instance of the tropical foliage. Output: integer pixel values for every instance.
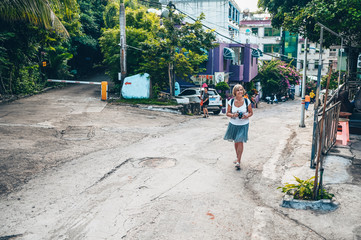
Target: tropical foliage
(68, 39)
(303, 190)
(222, 87)
(164, 48)
(31, 47)
(276, 77)
(38, 12)
(341, 16)
(333, 80)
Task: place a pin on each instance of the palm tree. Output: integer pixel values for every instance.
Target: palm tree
(39, 12)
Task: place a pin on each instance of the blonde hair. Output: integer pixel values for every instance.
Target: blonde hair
(235, 89)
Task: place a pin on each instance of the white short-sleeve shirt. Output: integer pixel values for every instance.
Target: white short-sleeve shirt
(242, 109)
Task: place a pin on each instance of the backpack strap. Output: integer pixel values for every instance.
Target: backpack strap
(245, 99)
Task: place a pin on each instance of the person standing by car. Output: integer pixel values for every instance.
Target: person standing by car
(239, 110)
(205, 99)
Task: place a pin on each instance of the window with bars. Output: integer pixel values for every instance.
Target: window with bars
(255, 31)
(303, 48)
(272, 32)
(316, 64)
(301, 67)
(271, 48)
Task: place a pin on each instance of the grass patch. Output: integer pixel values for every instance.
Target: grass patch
(150, 101)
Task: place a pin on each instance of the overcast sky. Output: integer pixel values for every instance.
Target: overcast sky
(250, 4)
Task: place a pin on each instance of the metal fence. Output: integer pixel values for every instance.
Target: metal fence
(329, 132)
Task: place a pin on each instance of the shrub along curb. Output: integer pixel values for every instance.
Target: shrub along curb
(320, 205)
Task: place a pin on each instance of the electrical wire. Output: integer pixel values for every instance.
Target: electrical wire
(279, 55)
(224, 36)
(136, 48)
(220, 34)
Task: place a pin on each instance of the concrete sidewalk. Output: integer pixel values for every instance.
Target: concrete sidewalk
(343, 163)
(342, 177)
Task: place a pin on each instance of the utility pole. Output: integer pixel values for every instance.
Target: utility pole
(171, 70)
(303, 93)
(123, 53)
(318, 86)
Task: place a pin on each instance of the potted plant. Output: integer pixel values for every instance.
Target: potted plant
(301, 196)
(222, 87)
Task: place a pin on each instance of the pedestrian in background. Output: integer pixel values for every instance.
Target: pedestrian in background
(307, 101)
(239, 110)
(205, 98)
(312, 96)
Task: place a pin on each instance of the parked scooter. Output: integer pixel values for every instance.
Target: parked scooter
(269, 100)
(292, 96)
(275, 100)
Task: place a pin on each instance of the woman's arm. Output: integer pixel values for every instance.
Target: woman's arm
(250, 111)
(229, 113)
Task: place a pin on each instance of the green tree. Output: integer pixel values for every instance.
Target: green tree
(276, 77)
(301, 16)
(28, 44)
(141, 27)
(153, 47)
(333, 80)
(85, 46)
(38, 12)
(179, 46)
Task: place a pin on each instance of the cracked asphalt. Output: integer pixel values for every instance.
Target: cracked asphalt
(75, 167)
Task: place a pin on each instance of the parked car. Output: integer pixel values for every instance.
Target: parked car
(194, 93)
(181, 100)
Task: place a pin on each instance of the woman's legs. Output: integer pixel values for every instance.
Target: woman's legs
(205, 110)
(239, 150)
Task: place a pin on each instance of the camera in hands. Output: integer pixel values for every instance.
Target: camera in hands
(240, 115)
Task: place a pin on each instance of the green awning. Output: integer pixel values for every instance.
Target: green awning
(229, 54)
(205, 52)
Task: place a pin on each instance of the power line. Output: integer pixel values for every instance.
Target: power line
(220, 34)
(136, 48)
(226, 37)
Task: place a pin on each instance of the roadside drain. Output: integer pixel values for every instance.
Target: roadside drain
(157, 162)
(77, 133)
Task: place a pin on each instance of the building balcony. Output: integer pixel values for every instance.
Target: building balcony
(236, 73)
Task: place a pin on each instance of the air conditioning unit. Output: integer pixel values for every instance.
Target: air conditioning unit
(278, 38)
(359, 61)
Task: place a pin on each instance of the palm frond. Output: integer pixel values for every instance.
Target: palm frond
(38, 12)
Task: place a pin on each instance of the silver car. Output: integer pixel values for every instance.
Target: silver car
(194, 93)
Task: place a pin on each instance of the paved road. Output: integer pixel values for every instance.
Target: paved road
(74, 167)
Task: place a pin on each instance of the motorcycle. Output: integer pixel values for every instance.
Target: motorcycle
(269, 100)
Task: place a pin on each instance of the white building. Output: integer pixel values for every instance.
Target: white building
(258, 30)
(222, 15)
(329, 56)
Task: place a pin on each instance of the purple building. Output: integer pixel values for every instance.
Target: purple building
(234, 61)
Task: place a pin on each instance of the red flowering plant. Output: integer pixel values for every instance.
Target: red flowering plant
(277, 77)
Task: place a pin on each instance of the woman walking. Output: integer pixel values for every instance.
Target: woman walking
(239, 110)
